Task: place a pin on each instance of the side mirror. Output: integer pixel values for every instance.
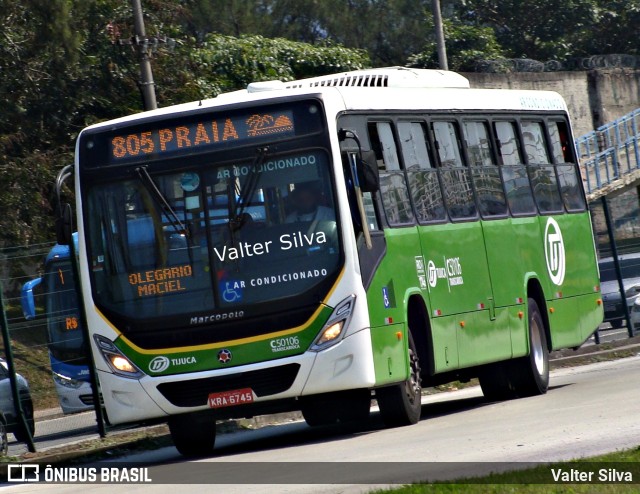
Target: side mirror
(368, 174)
(28, 300)
(64, 225)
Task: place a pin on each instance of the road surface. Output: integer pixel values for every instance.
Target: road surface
(589, 410)
(59, 431)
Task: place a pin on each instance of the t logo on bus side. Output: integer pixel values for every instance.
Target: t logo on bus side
(554, 251)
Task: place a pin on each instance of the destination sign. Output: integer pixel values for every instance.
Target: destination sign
(206, 133)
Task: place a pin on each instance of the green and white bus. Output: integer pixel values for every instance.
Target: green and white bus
(315, 244)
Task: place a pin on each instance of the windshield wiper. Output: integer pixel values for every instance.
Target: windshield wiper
(249, 188)
(159, 197)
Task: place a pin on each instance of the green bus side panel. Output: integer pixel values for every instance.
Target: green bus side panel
(518, 328)
(514, 247)
(475, 273)
(564, 322)
(396, 275)
(574, 300)
(457, 267)
(591, 314)
(389, 354)
(445, 348)
(574, 319)
(459, 284)
(581, 273)
(481, 340)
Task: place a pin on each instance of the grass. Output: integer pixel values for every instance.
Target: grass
(31, 359)
(538, 479)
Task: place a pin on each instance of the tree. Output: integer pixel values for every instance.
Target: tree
(537, 29)
(225, 63)
(466, 44)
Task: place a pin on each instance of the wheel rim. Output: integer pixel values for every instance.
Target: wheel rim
(413, 387)
(536, 347)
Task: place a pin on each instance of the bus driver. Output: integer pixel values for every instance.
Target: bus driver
(306, 204)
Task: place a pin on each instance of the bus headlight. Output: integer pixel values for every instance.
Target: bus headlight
(67, 382)
(333, 330)
(118, 363)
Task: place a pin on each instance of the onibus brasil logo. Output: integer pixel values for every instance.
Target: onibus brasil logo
(554, 251)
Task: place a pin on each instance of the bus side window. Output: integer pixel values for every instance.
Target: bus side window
(413, 142)
(384, 145)
(485, 173)
(570, 190)
(568, 174)
(478, 143)
(393, 185)
(458, 193)
(424, 186)
(559, 140)
(447, 143)
(534, 143)
(545, 188)
(508, 144)
(518, 189)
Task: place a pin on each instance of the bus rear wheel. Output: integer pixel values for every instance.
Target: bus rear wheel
(343, 407)
(193, 434)
(495, 382)
(400, 404)
(530, 374)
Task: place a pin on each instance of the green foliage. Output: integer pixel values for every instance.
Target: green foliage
(226, 63)
(67, 64)
(465, 43)
(537, 29)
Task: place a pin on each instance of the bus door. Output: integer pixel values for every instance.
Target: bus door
(455, 260)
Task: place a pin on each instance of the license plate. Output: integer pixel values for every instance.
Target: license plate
(230, 398)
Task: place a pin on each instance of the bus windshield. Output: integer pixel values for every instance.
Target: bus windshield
(65, 335)
(215, 238)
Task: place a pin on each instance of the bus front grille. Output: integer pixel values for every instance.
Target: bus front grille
(263, 382)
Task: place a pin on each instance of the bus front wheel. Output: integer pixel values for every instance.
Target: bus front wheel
(342, 407)
(400, 404)
(193, 434)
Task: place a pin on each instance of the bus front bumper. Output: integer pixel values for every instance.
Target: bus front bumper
(346, 365)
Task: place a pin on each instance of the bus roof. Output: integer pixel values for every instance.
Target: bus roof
(389, 88)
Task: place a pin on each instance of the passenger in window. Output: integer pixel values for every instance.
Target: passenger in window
(306, 199)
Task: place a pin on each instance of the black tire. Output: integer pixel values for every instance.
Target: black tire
(344, 407)
(530, 374)
(617, 323)
(20, 434)
(400, 404)
(495, 382)
(4, 440)
(193, 434)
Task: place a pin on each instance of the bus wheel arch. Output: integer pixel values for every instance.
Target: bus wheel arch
(400, 404)
(534, 291)
(418, 325)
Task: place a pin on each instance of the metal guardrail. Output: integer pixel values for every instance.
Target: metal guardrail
(610, 152)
